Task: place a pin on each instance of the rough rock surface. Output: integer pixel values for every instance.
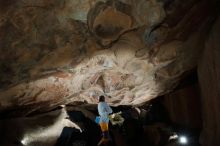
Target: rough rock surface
(209, 78)
(39, 130)
(184, 107)
(61, 51)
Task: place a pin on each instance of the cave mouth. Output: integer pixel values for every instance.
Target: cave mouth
(155, 61)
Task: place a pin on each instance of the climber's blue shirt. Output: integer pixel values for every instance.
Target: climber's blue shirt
(104, 110)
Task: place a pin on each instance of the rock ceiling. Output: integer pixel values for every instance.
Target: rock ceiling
(56, 52)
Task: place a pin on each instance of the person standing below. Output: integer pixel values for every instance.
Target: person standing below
(104, 110)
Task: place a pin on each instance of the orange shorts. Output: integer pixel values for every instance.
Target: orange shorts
(104, 126)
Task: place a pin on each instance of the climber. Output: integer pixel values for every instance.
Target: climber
(104, 110)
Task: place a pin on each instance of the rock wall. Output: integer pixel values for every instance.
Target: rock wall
(184, 107)
(41, 130)
(62, 51)
(209, 78)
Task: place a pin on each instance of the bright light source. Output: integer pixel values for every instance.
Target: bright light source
(183, 140)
